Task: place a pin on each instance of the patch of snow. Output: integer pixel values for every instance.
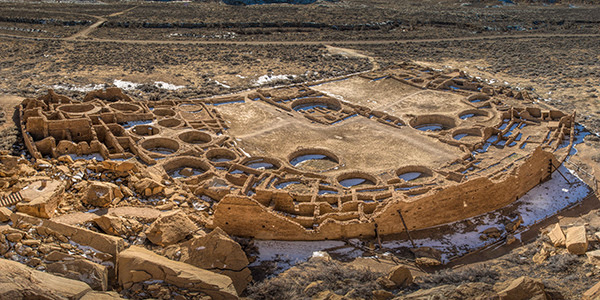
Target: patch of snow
(167, 86)
(538, 204)
(289, 253)
(96, 156)
(126, 85)
(82, 89)
(270, 78)
(222, 84)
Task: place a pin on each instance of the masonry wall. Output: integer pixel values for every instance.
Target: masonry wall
(242, 216)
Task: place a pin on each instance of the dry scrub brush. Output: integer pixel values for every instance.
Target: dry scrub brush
(327, 275)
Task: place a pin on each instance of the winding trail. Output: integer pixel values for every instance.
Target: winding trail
(100, 20)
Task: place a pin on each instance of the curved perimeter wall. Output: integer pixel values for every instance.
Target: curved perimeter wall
(242, 216)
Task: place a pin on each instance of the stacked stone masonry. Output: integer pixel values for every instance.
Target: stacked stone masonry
(451, 147)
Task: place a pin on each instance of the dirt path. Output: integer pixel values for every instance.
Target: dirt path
(353, 53)
(345, 42)
(100, 20)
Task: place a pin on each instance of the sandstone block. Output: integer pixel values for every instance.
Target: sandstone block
(118, 226)
(576, 240)
(95, 275)
(41, 198)
(593, 257)
(557, 236)
(215, 252)
(5, 214)
(170, 228)
(136, 259)
(523, 288)
(401, 276)
(18, 281)
(102, 194)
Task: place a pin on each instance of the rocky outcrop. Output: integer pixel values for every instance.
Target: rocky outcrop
(215, 252)
(170, 228)
(137, 264)
(17, 281)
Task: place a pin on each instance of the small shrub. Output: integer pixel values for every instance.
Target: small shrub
(562, 263)
(337, 277)
(477, 273)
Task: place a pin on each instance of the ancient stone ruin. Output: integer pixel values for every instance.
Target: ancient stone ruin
(336, 159)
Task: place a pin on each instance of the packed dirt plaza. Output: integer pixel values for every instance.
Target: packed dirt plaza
(345, 149)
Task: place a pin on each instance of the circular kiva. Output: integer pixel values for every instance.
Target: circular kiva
(195, 137)
(262, 163)
(220, 155)
(356, 179)
(161, 145)
(145, 130)
(170, 123)
(186, 166)
(478, 98)
(467, 135)
(190, 107)
(78, 108)
(314, 159)
(474, 115)
(414, 173)
(432, 122)
(307, 104)
(125, 107)
(163, 112)
(293, 185)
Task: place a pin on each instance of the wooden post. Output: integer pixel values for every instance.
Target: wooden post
(406, 228)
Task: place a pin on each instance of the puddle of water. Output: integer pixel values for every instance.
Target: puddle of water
(410, 176)
(350, 182)
(304, 107)
(261, 165)
(430, 127)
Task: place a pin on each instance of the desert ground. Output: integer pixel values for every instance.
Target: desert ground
(172, 131)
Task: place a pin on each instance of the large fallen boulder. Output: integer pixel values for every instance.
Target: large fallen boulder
(41, 198)
(101, 245)
(215, 252)
(18, 281)
(118, 226)
(170, 228)
(102, 194)
(148, 187)
(94, 274)
(401, 276)
(523, 288)
(137, 264)
(576, 241)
